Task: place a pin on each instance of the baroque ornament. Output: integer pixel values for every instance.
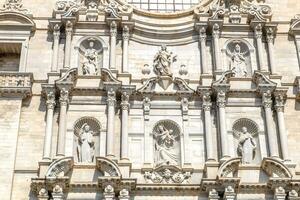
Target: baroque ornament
(15, 6)
(167, 175)
(238, 61)
(85, 147)
(246, 146)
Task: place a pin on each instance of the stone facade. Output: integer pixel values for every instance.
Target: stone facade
(103, 100)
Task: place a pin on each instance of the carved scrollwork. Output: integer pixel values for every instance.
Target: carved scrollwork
(67, 7)
(108, 167)
(60, 168)
(167, 175)
(15, 6)
(275, 168)
(229, 168)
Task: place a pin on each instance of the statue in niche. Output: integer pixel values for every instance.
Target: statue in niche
(85, 146)
(162, 62)
(90, 60)
(246, 146)
(166, 152)
(238, 61)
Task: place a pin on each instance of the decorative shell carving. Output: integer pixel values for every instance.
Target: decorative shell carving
(91, 121)
(251, 126)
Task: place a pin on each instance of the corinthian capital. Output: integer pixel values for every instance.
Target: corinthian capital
(216, 30)
(111, 97)
(258, 31)
(279, 102)
(56, 31)
(50, 102)
(69, 28)
(221, 99)
(202, 34)
(113, 29)
(125, 101)
(64, 97)
(126, 33)
(206, 99)
(267, 99)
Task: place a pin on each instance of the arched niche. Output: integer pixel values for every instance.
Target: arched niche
(86, 140)
(91, 55)
(238, 55)
(247, 144)
(167, 143)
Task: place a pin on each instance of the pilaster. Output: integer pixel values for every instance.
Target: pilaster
(113, 41)
(69, 33)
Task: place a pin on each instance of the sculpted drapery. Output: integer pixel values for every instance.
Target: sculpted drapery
(85, 146)
(162, 62)
(246, 146)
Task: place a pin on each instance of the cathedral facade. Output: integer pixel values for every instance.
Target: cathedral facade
(149, 99)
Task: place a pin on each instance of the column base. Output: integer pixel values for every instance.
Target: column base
(211, 168)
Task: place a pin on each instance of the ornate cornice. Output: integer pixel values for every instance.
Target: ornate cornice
(16, 84)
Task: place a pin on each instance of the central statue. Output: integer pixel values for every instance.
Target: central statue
(162, 62)
(166, 152)
(246, 146)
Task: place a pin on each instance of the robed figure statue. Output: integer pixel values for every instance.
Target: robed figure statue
(162, 62)
(246, 146)
(166, 151)
(238, 61)
(85, 146)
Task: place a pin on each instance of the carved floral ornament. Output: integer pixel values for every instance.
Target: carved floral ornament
(113, 8)
(14, 6)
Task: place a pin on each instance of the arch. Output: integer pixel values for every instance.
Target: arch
(275, 168)
(172, 124)
(92, 121)
(104, 44)
(61, 167)
(17, 19)
(229, 168)
(108, 166)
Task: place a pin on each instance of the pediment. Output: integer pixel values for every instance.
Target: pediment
(16, 19)
(165, 85)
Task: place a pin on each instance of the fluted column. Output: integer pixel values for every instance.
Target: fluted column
(63, 100)
(202, 39)
(113, 41)
(279, 99)
(57, 193)
(216, 37)
(56, 37)
(125, 110)
(258, 39)
(111, 100)
(207, 125)
(124, 194)
(221, 103)
(267, 104)
(109, 193)
(270, 42)
(185, 125)
(148, 138)
(69, 31)
(49, 124)
(125, 36)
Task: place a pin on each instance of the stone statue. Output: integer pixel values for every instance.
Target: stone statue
(246, 146)
(165, 148)
(238, 61)
(85, 146)
(162, 62)
(90, 61)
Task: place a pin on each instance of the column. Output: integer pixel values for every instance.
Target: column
(281, 126)
(258, 38)
(49, 124)
(279, 194)
(57, 193)
(113, 41)
(221, 103)
(109, 193)
(270, 41)
(43, 194)
(125, 48)
(69, 31)
(213, 195)
(124, 194)
(267, 104)
(229, 193)
(216, 36)
(56, 36)
(111, 100)
(148, 139)
(185, 146)
(125, 110)
(63, 100)
(202, 39)
(206, 99)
